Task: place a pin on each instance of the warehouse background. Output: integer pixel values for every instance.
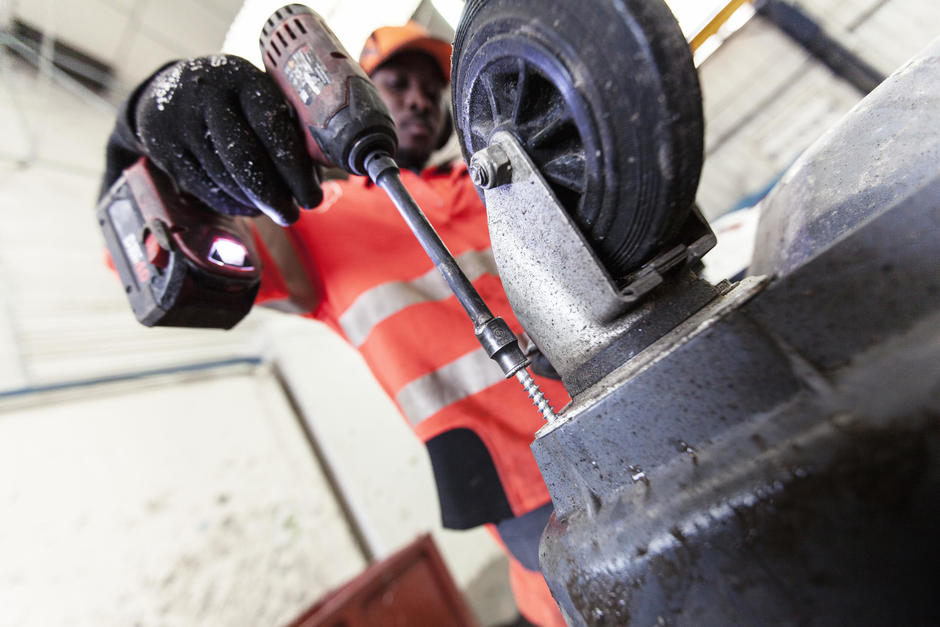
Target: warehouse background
(178, 477)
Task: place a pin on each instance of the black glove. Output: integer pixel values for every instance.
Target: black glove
(222, 130)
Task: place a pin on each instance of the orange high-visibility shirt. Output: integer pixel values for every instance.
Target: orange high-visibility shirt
(382, 293)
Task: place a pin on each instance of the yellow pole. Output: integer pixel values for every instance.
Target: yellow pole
(715, 23)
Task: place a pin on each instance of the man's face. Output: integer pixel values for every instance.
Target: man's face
(411, 85)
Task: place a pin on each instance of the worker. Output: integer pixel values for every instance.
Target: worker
(221, 129)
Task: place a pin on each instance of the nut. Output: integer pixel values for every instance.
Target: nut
(490, 167)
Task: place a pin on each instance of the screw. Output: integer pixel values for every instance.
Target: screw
(538, 399)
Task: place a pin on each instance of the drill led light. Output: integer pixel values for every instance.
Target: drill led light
(228, 252)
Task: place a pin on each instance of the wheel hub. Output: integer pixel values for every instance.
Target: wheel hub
(520, 88)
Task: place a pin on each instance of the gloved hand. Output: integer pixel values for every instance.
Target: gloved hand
(222, 130)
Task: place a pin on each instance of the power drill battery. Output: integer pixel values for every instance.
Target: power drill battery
(181, 264)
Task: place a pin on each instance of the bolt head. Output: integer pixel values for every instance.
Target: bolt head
(478, 175)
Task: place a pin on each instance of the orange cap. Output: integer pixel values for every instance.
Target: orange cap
(388, 41)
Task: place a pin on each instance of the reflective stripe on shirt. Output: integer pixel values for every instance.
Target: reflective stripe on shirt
(463, 377)
(384, 300)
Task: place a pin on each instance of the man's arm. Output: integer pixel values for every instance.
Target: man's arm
(123, 147)
(220, 128)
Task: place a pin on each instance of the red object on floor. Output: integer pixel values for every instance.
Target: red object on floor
(411, 588)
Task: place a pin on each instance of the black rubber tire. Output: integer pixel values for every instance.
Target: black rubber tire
(610, 111)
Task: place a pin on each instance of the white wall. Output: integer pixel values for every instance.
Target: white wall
(766, 100)
(133, 36)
